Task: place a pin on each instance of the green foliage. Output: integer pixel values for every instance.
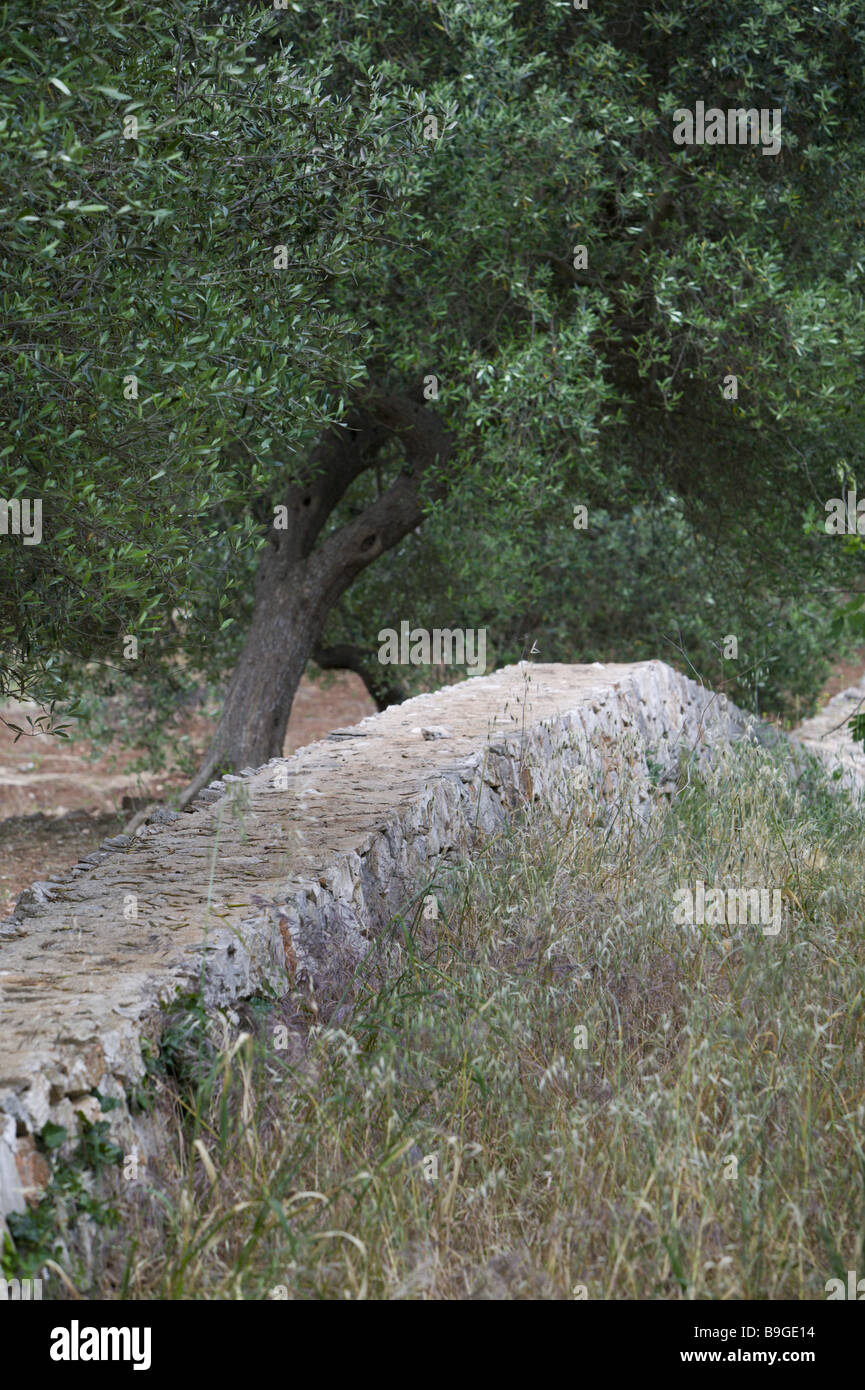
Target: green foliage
(604, 386)
(35, 1235)
(857, 728)
(153, 257)
(53, 1136)
(410, 256)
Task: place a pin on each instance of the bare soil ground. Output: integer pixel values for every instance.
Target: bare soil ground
(57, 802)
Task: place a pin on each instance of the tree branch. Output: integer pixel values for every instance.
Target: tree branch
(399, 510)
(383, 688)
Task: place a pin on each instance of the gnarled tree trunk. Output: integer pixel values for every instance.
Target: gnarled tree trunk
(301, 577)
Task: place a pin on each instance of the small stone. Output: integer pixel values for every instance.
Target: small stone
(33, 896)
(34, 1173)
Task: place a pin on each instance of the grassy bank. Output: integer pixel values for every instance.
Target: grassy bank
(559, 1091)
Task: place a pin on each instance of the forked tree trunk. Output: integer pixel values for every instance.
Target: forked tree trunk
(258, 701)
(381, 684)
(299, 581)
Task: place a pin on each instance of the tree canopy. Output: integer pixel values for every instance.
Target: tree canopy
(481, 208)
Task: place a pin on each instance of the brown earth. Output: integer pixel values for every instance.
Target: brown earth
(845, 674)
(57, 803)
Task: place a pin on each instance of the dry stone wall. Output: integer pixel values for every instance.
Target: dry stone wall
(828, 738)
(283, 876)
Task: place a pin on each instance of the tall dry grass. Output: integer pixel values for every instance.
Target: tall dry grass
(458, 1135)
